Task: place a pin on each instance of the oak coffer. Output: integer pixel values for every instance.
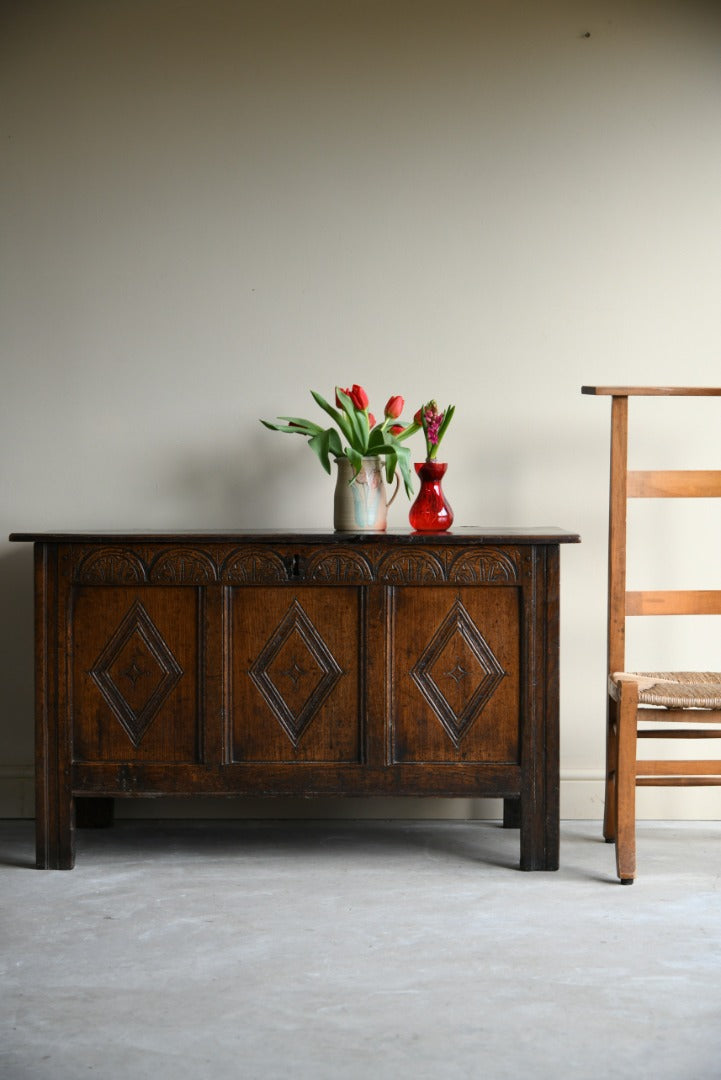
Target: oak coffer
(303, 663)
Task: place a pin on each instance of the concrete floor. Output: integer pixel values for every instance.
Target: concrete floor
(355, 950)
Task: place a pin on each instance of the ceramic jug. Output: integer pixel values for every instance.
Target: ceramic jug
(360, 503)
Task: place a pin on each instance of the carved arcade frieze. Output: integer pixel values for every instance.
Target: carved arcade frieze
(255, 565)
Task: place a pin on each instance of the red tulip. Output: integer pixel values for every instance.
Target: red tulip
(417, 419)
(394, 407)
(358, 396)
(397, 429)
(371, 420)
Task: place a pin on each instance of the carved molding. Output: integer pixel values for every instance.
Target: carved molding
(487, 565)
(410, 567)
(183, 566)
(341, 565)
(257, 565)
(111, 566)
(192, 565)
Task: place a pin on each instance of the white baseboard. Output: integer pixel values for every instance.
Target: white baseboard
(581, 800)
(17, 791)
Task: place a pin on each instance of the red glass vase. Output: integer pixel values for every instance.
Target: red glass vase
(431, 511)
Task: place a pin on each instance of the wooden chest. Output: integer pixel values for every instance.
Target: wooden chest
(276, 663)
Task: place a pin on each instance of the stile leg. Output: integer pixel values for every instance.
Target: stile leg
(539, 802)
(539, 833)
(54, 804)
(54, 831)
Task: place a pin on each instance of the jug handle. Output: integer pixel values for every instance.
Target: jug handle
(398, 484)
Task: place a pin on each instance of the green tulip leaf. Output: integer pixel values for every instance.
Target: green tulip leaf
(319, 446)
(355, 459)
(295, 425)
(391, 463)
(335, 446)
(408, 431)
(340, 418)
(376, 441)
(404, 464)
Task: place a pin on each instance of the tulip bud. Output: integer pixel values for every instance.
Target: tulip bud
(394, 407)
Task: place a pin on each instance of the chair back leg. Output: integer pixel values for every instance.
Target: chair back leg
(609, 805)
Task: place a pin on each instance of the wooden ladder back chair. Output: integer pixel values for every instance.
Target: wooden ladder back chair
(665, 698)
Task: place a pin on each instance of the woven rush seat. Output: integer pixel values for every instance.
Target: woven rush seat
(673, 689)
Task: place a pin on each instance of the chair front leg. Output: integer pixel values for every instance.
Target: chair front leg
(626, 740)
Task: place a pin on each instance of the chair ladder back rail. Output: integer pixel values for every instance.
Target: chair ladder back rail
(673, 484)
(617, 510)
(683, 767)
(673, 602)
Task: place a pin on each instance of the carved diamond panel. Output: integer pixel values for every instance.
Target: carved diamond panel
(136, 672)
(295, 672)
(457, 672)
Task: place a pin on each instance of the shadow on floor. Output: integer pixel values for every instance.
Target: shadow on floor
(482, 843)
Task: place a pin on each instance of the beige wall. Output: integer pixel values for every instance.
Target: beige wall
(211, 206)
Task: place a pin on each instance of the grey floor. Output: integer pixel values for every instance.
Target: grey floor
(359, 950)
